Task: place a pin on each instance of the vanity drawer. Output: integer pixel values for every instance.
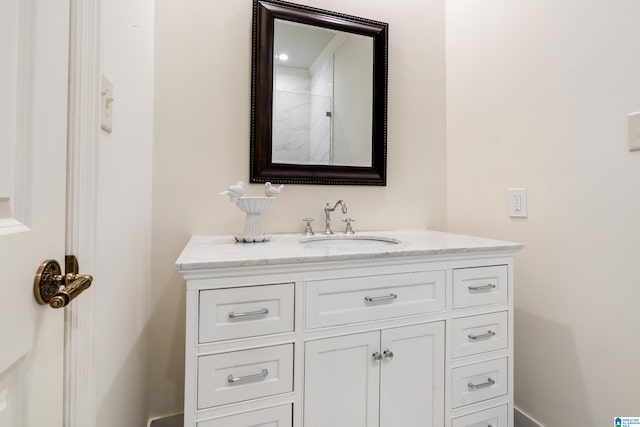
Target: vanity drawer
(278, 416)
(247, 374)
(479, 381)
(493, 417)
(357, 299)
(479, 334)
(245, 312)
(479, 286)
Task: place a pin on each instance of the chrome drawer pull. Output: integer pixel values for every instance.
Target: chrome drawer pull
(232, 380)
(482, 288)
(262, 312)
(382, 298)
(473, 386)
(489, 334)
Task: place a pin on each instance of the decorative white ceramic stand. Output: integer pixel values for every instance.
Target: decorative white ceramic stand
(253, 207)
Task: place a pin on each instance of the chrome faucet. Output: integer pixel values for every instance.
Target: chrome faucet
(327, 214)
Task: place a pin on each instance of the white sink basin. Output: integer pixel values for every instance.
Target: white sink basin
(348, 241)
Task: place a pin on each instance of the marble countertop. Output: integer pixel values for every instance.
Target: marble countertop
(204, 252)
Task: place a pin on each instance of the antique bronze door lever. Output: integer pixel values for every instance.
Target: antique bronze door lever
(51, 287)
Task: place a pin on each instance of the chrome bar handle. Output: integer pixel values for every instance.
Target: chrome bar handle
(232, 380)
(474, 387)
(382, 298)
(482, 288)
(262, 312)
(387, 354)
(489, 334)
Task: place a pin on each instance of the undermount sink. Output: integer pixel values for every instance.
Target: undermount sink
(349, 241)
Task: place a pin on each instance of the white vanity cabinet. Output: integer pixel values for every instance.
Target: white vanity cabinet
(282, 334)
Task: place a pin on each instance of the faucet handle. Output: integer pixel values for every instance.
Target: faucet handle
(348, 229)
(308, 231)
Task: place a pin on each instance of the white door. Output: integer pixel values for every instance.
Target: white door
(341, 382)
(34, 40)
(412, 377)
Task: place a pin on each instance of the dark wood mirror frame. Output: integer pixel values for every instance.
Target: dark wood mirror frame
(262, 169)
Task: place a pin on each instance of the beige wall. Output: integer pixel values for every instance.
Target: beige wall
(201, 145)
(123, 285)
(537, 96)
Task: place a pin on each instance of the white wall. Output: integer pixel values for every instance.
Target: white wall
(537, 96)
(201, 145)
(122, 284)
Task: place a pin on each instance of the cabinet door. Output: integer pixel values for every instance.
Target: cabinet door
(412, 379)
(342, 381)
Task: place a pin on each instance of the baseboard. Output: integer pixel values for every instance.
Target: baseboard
(172, 421)
(522, 419)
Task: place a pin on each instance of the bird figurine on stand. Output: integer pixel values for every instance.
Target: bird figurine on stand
(234, 191)
(271, 191)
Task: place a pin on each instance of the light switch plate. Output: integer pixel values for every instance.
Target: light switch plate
(633, 123)
(106, 105)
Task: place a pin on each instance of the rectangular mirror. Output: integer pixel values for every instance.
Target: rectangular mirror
(319, 95)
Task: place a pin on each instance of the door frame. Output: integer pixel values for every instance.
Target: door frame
(79, 393)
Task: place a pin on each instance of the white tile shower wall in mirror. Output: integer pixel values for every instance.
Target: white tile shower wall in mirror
(302, 120)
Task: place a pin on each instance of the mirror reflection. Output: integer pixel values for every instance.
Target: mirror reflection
(322, 96)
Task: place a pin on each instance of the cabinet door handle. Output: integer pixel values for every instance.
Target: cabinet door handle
(382, 298)
(232, 380)
(376, 356)
(489, 334)
(482, 288)
(474, 387)
(387, 354)
(262, 312)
